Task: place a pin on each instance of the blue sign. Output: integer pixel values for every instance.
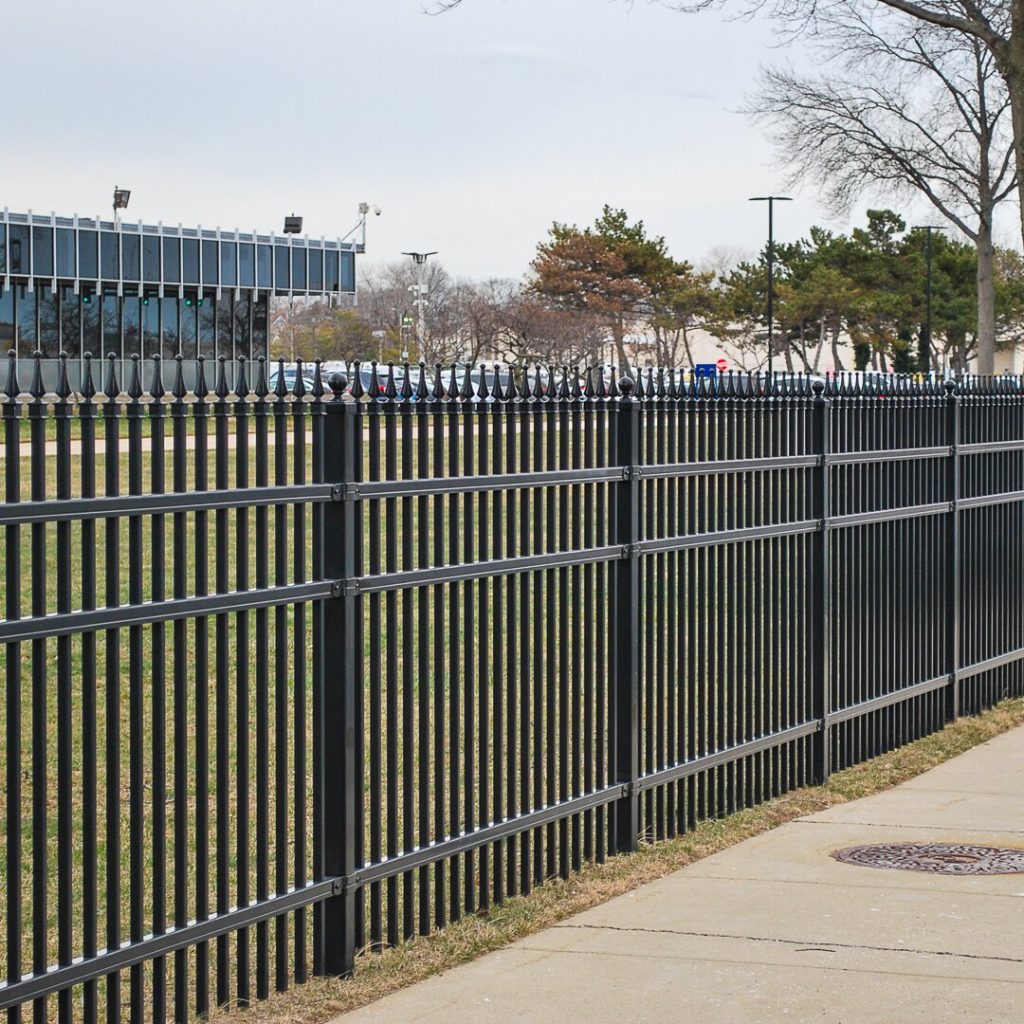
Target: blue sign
(705, 370)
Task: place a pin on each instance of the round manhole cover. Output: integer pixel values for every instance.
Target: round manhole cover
(943, 858)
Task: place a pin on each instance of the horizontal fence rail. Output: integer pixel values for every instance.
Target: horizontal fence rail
(292, 675)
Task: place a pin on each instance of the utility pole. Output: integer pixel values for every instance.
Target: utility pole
(924, 342)
(420, 259)
(771, 201)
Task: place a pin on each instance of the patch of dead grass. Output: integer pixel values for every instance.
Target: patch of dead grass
(379, 974)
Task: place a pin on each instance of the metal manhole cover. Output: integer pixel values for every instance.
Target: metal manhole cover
(943, 858)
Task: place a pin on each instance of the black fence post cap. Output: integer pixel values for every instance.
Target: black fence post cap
(337, 382)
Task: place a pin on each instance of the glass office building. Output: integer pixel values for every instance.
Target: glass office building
(75, 285)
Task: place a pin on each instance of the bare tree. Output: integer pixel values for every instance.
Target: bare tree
(387, 297)
(923, 112)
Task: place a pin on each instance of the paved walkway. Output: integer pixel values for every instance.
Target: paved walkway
(776, 930)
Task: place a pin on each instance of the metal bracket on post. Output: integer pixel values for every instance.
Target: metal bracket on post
(953, 552)
(625, 744)
(821, 676)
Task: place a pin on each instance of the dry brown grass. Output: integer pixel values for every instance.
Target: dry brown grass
(378, 975)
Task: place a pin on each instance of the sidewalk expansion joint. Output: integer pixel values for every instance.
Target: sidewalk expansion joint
(792, 942)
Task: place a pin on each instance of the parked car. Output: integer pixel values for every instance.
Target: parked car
(290, 377)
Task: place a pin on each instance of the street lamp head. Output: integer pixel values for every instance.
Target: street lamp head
(121, 197)
(419, 258)
(770, 199)
(292, 225)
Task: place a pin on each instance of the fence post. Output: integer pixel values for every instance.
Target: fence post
(953, 551)
(626, 624)
(337, 650)
(822, 611)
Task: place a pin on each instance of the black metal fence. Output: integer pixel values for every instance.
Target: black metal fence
(290, 675)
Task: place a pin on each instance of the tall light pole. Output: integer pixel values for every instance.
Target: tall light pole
(420, 259)
(924, 342)
(771, 201)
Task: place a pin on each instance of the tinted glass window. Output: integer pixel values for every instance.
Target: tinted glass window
(17, 249)
(207, 327)
(131, 326)
(169, 327)
(298, 268)
(3, 248)
(228, 267)
(150, 258)
(109, 268)
(316, 270)
(71, 324)
(190, 260)
(247, 266)
(210, 261)
(263, 271)
(224, 319)
(242, 328)
(91, 323)
(6, 319)
(259, 328)
(187, 313)
(25, 308)
(65, 252)
(348, 272)
(333, 281)
(42, 251)
(111, 326)
(172, 261)
(130, 257)
(150, 325)
(49, 321)
(281, 275)
(88, 255)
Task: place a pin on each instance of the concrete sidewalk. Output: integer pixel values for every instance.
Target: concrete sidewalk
(775, 929)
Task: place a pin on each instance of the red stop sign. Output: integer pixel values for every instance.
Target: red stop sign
(722, 365)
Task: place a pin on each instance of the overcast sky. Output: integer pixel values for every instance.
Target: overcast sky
(473, 130)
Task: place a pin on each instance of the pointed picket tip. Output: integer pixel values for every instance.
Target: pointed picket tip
(280, 387)
(356, 377)
(156, 384)
(178, 389)
(221, 386)
(390, 388)
(12, 388)
(36, 389)
(241, 385)
(422, 389)
(110, 384)
(260, 386)
(202, 389)
(406, 393)
(562, 391)
(88, 388)
(317, 390)
(435, 382)
(63, 391)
